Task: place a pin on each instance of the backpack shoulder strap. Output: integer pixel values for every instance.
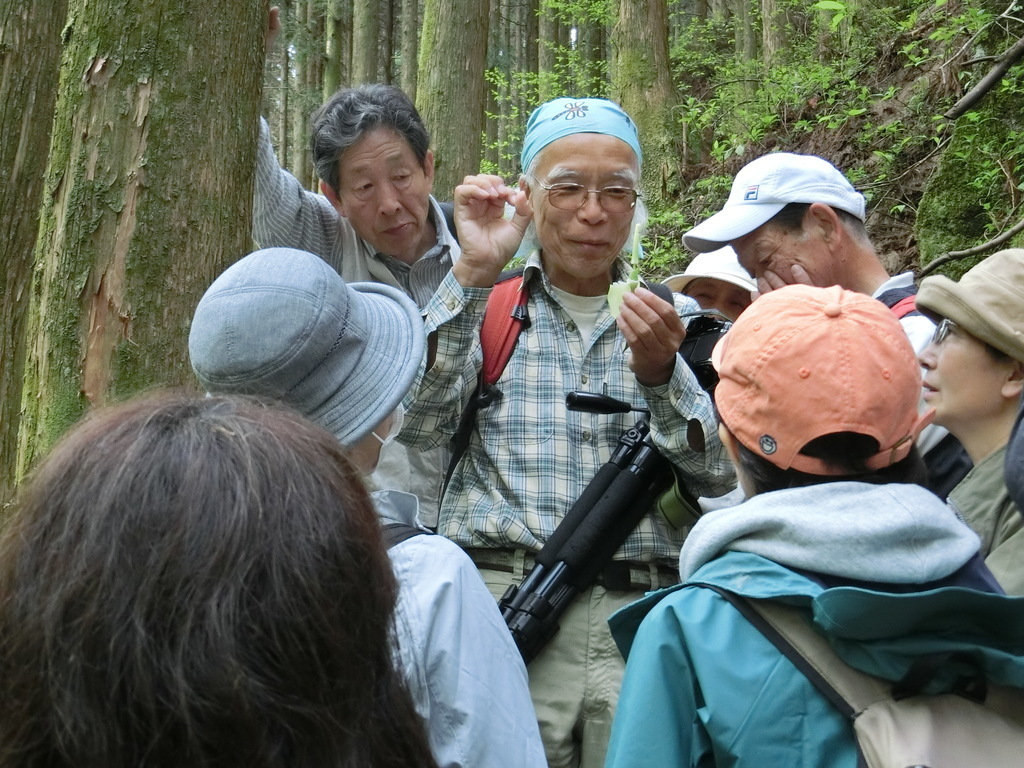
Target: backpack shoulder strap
(787, 628)
(904, 307)
(505, 317)
(900, 300)
(396, 533)
(448, 211)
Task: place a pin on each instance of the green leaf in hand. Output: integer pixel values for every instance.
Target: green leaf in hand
(618, 289)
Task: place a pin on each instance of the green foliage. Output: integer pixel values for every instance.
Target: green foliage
(578, 11)
(663, 245)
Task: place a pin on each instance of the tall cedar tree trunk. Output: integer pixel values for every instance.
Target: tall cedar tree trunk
(333, 31)
(365, 31)
(641, 83)
(148, 198)
(300, 164)
(30, 50)
(492, 153)
(547, 42)
(450, 93)
(773, 31)
(387, 41)
(283, 122)
(410, 46)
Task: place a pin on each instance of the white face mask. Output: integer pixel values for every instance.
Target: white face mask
(395, 426)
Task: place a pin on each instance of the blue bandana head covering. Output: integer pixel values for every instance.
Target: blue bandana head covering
(565, 116)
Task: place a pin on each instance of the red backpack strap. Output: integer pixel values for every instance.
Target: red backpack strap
(504, 318)
(903, 307)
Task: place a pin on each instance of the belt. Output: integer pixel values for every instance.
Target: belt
(617, 574)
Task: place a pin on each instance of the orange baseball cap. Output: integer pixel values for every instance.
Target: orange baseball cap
(802, 362)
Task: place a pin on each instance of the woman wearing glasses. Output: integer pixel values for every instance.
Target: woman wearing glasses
(974, 376)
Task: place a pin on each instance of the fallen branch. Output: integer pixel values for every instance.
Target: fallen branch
(945, 258)
(994, 75)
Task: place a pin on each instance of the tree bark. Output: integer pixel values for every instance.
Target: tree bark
(30, 49)
(148, 198)
(410, 46)
(450, 94)
(773, 31)
(365, 43)
(641, 83)
(301, 165)
(547, 52)
(387, 41)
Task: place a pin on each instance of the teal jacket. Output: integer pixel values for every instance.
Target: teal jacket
(704, 688)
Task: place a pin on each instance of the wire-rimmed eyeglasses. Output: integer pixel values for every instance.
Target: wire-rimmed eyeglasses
(571, 197)
(942, 330)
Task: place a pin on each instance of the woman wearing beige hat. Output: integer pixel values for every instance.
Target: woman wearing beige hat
(974, 376)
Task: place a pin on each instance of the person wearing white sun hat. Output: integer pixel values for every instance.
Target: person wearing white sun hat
(715, 280)
(281, 323)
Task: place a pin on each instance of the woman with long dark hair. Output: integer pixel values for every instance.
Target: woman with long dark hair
(192, 581)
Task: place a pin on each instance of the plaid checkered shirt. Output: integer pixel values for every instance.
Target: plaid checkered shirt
(529, 457)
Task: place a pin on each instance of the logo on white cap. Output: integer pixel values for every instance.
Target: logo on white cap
(751, 193)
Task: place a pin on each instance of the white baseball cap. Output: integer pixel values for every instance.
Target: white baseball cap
(765, 186)
(722, 264)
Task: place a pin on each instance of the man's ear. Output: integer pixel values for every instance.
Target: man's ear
(332, 198)
(428, 167)
(527, 192)
(824, 218)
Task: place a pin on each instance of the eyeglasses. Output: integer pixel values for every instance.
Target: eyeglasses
(942, 330)
(572, 197)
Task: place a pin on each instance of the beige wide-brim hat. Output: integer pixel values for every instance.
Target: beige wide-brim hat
(988, 302)
(722, 264)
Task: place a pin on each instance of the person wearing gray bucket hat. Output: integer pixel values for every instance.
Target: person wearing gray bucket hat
(797, 219)
(974, 377)
(282, 324)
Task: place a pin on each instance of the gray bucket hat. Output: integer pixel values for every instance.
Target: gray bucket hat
(281, 323)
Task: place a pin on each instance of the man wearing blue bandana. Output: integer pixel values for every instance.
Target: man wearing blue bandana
(529, 458)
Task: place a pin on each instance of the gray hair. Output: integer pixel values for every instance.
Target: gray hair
(351, 113)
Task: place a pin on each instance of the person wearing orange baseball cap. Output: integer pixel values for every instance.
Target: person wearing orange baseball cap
(818, 406)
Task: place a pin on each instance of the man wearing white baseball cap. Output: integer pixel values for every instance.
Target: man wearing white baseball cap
(796, 219)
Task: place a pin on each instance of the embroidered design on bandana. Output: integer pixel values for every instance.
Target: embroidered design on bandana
(573, 110)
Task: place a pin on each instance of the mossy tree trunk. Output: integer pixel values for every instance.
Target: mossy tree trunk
(148, 198)
(641, 83)
(410, 31)
(365, 42)
(450, 92)
(30, 49)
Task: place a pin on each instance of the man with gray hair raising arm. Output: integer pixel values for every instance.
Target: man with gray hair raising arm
(376, 220)
(528, 457)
